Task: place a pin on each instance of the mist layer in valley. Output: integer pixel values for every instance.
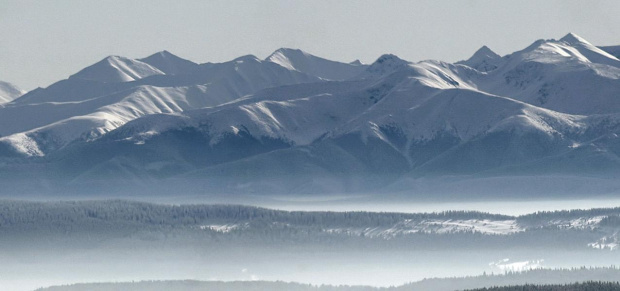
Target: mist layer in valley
(55, 243)
(587, 278)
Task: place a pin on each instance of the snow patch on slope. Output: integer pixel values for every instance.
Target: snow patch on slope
(611, 243)
(520, 266)
(437, 226)
(224, 228)
(23, 144)
(578, 223)
(9, 92)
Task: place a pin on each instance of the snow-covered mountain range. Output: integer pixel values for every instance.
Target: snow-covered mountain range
(295, 122)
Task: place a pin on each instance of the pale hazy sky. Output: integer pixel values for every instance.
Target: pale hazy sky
(45, 41)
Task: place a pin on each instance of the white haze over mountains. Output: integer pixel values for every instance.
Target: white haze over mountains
(542, 121)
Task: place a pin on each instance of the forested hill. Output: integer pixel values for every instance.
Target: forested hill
(92, 223)
(587, 286)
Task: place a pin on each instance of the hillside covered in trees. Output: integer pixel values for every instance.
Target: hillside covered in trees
(587, 286)
(96, 222)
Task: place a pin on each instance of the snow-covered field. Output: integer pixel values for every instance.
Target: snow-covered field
(485, 226)
(506, 265)
(224, 228)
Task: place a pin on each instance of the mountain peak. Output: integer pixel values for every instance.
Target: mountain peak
(356, 63)
(287, 51)
(484, 60)
(247, 58)
(595, 54)
(486, 52)
(390, 60)
(571, 48)
(587, 51)
(298, 60)
(386, 64)
(169, 63)
(165, 53)
(112, 59)
(286, 57)
(572, 38)
(162, 55)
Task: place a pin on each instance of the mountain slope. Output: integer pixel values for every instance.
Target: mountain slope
(612, 50)
(117, 69)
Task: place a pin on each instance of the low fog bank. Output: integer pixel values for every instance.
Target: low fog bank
(376, 202)
(393, 203)
(535, 276)
(53, 243)
(314, 193)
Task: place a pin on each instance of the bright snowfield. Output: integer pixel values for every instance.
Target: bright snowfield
(542, 121)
